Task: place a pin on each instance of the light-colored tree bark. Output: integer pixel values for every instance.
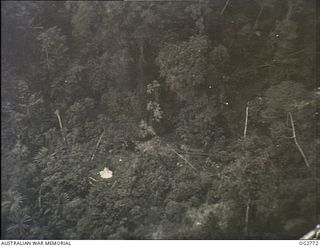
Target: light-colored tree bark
(258, 17)
(246, 123)
(225, 6)
(97, 145)
(290, 8)
(60, 123)
(249, 200)
(296, 142)
(247, 217)
(47, 58)
(181, 157)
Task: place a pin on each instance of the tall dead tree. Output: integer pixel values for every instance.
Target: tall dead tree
(97, 145)
(47, 58)
(296, 142)
(225, 6)
(60, 124)
(247, 218)
(249, 200)
(259, 15)
(246, 123)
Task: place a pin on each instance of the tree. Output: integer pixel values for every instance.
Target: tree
(13, 202)
(205, 112)
(53, 47)
(20, 225)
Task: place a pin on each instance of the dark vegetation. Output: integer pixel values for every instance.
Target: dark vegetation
(157, 92)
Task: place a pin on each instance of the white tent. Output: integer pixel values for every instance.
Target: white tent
(105, 173)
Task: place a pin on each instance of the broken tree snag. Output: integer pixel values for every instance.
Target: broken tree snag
(247, 218)
(60, 123)
(258, 17)
(246, 123)
(248, 202)
(97, 145)
(296, 142)
(59, 118)
(290, 8)
(288, 119)
(224, 8)
(47, 58)
(181, 157)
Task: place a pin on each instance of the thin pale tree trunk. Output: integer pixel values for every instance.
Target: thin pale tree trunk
(47, 58)
(97, 145)
(246, 123)
(142, 79)
(258, 17)
(296, 142)
(247, 218)
(290, 8)
(225, 6)
(249, 200)
(60, 123)
(59, 118)
(181, 157)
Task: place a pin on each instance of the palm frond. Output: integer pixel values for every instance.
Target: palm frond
(20, 223)
(13, 201)
(64, 198)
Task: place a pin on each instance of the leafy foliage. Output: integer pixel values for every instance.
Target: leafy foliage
(157, 93)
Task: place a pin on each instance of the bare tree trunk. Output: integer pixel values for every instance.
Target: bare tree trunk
(246, 123)
(60, 123)
(224, 8)
(222, 95)
(247, 218)
(180, 156)
(98, 143)
(296, 142)
(47, 58)
(142, 80)
(59, 118)
(290, 8)
(249, 200)
(258, 17)
(205, 16)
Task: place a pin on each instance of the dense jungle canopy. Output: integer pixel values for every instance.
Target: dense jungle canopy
(201, 118)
